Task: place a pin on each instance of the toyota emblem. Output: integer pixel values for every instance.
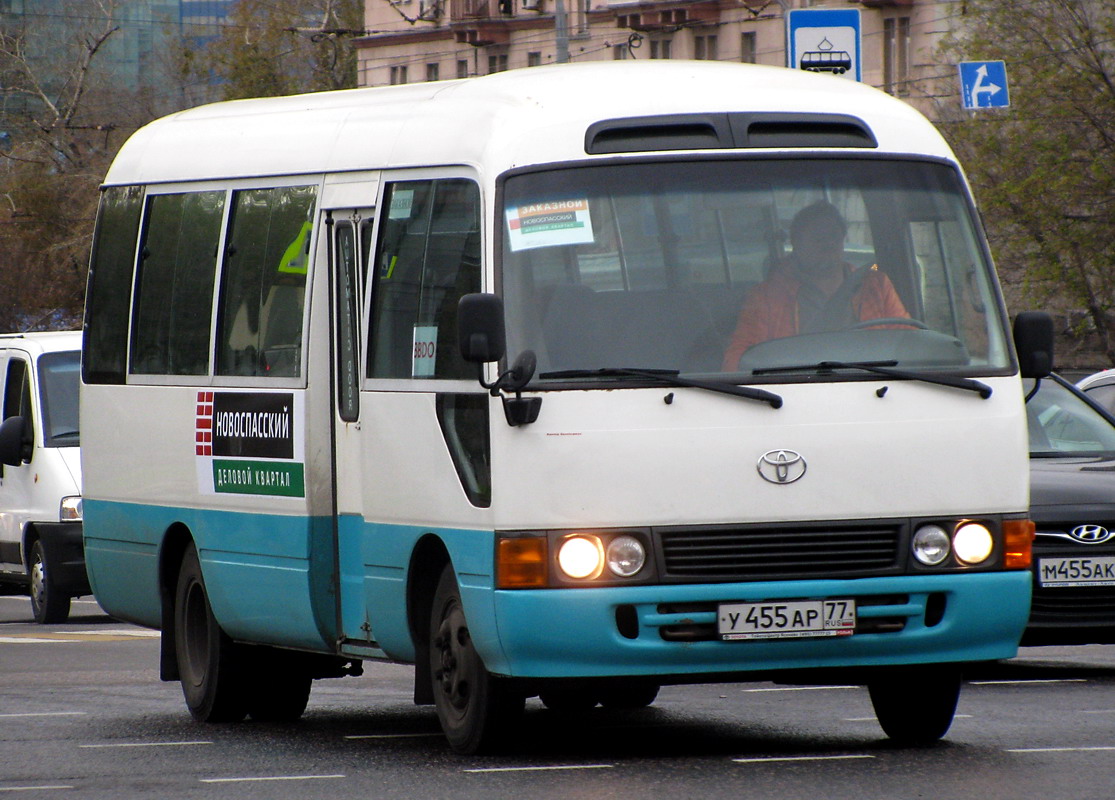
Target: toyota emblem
(1091, 534)
(781, 466)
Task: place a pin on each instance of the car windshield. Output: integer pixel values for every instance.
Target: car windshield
(1062, 423)
(747, 270)
(58, 385)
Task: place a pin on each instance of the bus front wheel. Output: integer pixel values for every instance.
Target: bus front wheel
(208, 663)
(473, 706)
(916, 705)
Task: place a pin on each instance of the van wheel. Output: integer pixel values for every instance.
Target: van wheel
(48, 603)
(209, 663)
(916, 705)
(473, 706)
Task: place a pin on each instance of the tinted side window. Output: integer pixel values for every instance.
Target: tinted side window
(263, 290)
(174, 287)
(427, 257)
(110, 283)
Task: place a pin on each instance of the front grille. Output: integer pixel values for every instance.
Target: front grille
(1085, 605)
(779, 553)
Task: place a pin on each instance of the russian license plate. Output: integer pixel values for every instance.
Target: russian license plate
(1090, 571)
(793, 619)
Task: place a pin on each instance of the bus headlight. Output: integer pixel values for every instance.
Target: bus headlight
(973, 543)
(931, 545)
(581, 557)
(626, 556)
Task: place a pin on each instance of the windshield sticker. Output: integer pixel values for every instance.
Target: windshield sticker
(425, 351)
(561, 222)
(249, 443)
(402, 201)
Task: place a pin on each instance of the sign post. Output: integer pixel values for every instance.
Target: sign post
(824, 40)
(983, 84)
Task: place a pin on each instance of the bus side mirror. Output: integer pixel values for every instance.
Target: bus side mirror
(13, 445)
(480, 331)
(1033, 339)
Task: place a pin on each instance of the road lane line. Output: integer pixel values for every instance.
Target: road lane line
(875, 719)
(140, 744)
(541, 769)
(45, 714)
(1028, 682)
(802, 689)
(272, 778)
(766, 759)
(1061, 749)
(392, 735)
(50, 787)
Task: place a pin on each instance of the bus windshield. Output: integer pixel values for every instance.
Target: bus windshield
(750, 270)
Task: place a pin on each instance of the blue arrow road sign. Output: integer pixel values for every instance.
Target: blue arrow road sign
(983, 84)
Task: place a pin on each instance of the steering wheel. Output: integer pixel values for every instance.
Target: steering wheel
(907, 322)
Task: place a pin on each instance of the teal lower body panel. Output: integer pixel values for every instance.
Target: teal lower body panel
(574, 632)
(270, 578)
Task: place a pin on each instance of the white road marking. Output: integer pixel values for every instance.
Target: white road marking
(272, 778)
(1028, 682)
(541, 769)
(140, 744)
(797, 758)
(802, 689)
(393, 735)
(1060, 749)
(46, 714)
(51, 787)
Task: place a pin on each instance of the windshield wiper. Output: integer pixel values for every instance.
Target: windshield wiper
(884, 368)
(672, 378)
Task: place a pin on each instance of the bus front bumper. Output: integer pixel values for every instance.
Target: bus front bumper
(671, 630)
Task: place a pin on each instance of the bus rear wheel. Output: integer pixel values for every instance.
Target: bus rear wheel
(916, 705)
(474, 707)
(208, 662)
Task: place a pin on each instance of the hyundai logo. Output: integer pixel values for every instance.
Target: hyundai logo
(781, 466)
(1091, 534)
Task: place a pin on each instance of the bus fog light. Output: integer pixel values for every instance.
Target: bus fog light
(931, 545)
(626, 556)
(581, 557)
(973, 543)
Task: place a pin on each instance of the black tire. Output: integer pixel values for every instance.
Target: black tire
(637, 695)
(916, 706)
(474, 707)
(210, 670)
(48, 603)
(278, 692)
(570, 699)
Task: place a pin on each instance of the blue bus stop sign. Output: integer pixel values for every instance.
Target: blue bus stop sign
(824, 40)
(983, 84)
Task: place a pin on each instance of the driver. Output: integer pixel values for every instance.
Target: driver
(814, 289)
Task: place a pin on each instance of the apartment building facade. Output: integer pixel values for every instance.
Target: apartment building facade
(411, 41)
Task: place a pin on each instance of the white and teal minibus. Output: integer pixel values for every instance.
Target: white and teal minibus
(443, 375)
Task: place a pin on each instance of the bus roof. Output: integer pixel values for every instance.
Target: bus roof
(496, 122)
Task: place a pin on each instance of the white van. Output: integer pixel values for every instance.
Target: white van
(41, 549)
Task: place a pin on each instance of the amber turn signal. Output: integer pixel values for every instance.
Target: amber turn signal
(521, 563)
(1018, 543)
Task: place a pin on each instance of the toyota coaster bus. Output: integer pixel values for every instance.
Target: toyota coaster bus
(437, 374)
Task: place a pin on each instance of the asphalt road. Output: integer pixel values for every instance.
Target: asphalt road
(83, 714)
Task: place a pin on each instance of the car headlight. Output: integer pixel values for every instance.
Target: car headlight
(581, 557)
(973, 543)
(626, 556)
(70, 509)
(931, 545)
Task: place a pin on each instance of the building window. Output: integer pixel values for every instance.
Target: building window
(497, 63)
(462, 68)
(705, 47)
(398, 75)
(534, 59)
(748, 50)
(896, 55)
(432, 72)
(659, 48)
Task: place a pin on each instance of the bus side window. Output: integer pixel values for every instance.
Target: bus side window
(174, 285)
(428, 256)
(263, 289)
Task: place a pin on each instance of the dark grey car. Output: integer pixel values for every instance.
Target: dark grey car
(1072, 500)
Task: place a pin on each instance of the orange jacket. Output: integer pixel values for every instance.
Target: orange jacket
(771, 309)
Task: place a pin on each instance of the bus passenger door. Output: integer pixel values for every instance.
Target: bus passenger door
(352, 236)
